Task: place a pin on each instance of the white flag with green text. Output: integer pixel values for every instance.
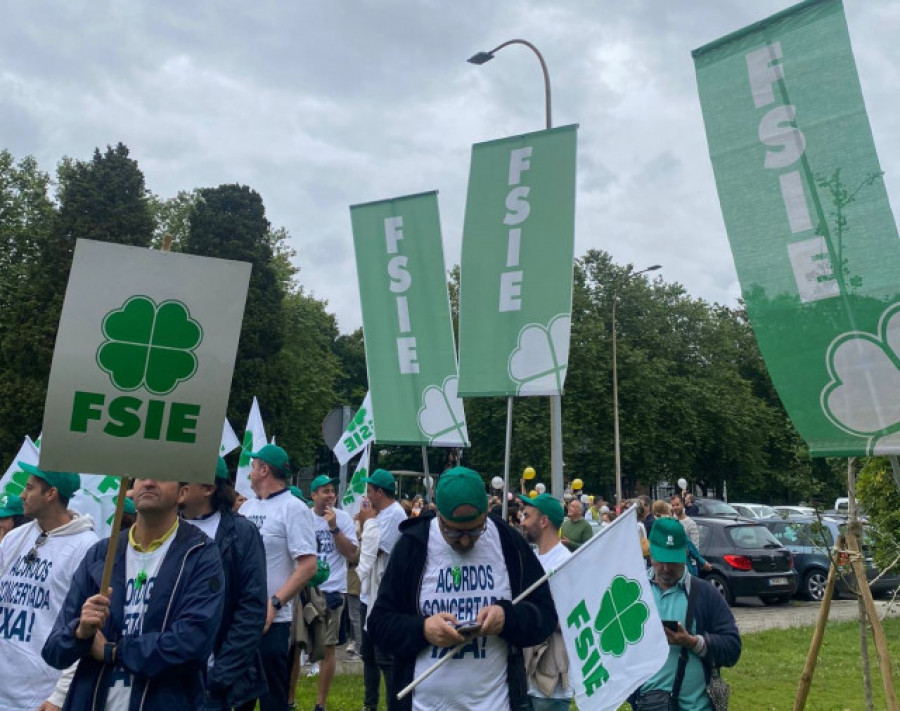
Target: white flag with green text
(14, 479)
(356, 489)
(360, 433)
(612, 629)
(254, 440)
(230, 441)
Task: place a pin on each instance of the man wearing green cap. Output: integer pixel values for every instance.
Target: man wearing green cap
(705, 634)
(547, 664)
(336, 543)
(12, 514)
(287, 528)
(236, 673)
(37, 561)
(461, 566)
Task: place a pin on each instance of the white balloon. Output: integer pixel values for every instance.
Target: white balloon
(497, 482)
(540, 488)
(429, 482)
(585, 499)
(682, 484)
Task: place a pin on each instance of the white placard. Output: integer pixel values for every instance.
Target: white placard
(143, 363)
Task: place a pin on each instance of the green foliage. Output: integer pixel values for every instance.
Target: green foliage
(877, 492)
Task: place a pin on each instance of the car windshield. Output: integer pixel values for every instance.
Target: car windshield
(798, 533)
(764, 511)
(752, 537)
(718, 508)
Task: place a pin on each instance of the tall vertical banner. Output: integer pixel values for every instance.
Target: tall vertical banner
(517, 259)
(410, 351)
(142, 363)
(813, 237)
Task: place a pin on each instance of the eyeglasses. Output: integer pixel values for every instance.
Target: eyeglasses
(38, 542)
(456, 534)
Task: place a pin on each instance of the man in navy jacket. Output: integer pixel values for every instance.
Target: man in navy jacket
(147, 643)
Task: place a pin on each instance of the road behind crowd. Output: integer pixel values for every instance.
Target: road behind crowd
(752, 616)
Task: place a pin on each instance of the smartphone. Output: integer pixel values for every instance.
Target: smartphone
(469, 627)
(671, 625)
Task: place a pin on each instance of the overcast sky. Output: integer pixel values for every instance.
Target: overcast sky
(320, 105)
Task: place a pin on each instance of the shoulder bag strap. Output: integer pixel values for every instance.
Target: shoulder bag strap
(683, 657)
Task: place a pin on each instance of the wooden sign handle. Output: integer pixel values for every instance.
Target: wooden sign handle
(113, 538)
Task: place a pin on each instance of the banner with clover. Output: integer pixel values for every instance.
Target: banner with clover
(518, 251)
(359, 434)
(613, 633)
(410, 349)
(814, 240)
(356, 489)
(143, 361)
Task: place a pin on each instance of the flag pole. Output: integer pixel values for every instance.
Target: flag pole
(521, 596)
(506, 456)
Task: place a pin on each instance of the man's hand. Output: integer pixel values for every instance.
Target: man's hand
(440, 631)
(270, 616)
(365, 513)
(330, 516)
(97, 646)
(94, 614)
(681, 638)
(491, 618)
(47, 706)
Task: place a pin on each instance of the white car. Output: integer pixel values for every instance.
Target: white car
(794, 511)
(755, 511)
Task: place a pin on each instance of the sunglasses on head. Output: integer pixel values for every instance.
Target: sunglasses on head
(38, 542)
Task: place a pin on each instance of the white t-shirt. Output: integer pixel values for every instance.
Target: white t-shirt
(140, 573)
(327, 551)
(32, 591)
(288, 530)
(208, 524)
(551, 560)
(462, 584)
(389, 520)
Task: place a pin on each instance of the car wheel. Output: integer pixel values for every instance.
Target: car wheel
(775, 599)
(718, 582)
(814, 583)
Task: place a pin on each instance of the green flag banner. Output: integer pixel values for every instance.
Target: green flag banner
(517, 259)
(410, 351)
(811, 230)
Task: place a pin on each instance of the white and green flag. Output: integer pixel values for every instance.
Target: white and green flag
(813, 236)
(97, 498)
(356, 489)
(254, 440)
(14, 479)
(613, 633)
(410, 351)
(517, 259)
(230, 442)
(359, 434)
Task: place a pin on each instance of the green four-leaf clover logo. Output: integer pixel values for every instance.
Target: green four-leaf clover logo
(620, 620)
(149, 345)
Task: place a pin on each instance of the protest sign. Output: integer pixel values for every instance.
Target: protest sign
(143, 360)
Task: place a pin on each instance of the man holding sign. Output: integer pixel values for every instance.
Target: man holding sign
(469, 566)
(151, 635)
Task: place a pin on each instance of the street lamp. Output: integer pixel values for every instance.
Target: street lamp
(622, 282)
(556, 454)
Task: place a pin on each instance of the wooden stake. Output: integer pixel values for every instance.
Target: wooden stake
(818, 633)
(113, 538)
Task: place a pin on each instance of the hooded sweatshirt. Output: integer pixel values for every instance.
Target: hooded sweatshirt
(35, 576)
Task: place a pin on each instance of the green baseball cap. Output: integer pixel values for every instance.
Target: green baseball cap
(128, 506)
(320, 481)
(221, 469)
(66, 483)
(668, 542)
(381, 478)
(298, 493)
(11, 505)
(274, 455)
(323, 572)
(547, 505)
(460, 487)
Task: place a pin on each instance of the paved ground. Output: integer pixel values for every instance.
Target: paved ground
(753, 616)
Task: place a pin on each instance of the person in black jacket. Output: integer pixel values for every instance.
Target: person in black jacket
(468, 566)
(237, 674)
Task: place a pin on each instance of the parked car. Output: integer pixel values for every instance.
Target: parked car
(755, 510)
(810, 540)
(795, 511)
(747, 560)
(714, 508)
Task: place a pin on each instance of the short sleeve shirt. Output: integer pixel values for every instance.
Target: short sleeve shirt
(328, 552)
(288, 531)
(389, 520)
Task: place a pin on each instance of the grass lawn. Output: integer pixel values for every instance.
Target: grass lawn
(765, 679)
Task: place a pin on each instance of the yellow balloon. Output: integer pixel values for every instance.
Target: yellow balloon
(533, 494)
(529, 473)
(577, 485)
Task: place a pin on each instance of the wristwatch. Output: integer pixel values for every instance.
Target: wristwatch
(334, 531)
(276, 603)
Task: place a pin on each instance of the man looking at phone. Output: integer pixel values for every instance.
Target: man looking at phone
(705, 634)
(461, 566)
(335, 543)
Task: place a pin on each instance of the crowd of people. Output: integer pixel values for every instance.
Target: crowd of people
(211, 600)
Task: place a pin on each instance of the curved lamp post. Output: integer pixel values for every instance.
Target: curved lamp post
(622, 282)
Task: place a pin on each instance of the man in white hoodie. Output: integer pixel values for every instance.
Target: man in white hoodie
(37, 562)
